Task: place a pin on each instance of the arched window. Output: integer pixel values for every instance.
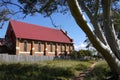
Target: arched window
(39, 46)
(60, 47)
(25, 45)
(51, 47)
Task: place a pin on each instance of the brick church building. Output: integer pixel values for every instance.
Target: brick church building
(29, 39)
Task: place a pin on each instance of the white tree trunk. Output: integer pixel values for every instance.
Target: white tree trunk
(104, 49)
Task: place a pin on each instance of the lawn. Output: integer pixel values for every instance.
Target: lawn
(46, 70)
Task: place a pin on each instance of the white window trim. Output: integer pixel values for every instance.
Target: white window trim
(17, 47)
(33, 48)
(51, 52)
(24, 52)
(39, 52)
(46, 49)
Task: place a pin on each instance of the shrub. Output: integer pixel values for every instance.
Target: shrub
(81, 55)
(73, 55)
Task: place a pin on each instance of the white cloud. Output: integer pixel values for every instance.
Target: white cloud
(81, 46)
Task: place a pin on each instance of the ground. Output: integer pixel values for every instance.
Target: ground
(82, 75)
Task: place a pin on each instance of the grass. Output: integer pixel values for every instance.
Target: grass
(46, 70)
(100, 72)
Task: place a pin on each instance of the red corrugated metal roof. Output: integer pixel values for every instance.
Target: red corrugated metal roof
(35, 32)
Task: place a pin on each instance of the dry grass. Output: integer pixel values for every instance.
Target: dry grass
(46, 70)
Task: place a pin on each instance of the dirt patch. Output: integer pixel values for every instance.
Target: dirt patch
(82, 75)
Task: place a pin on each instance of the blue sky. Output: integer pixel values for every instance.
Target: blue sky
(65, 22)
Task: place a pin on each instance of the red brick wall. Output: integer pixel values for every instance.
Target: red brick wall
(68, 47)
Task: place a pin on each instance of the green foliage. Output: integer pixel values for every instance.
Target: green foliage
(45, 7)
(100, 72)
(73, 55)
(81, 54)
(4, 15)
(85, 53)
(46, 70)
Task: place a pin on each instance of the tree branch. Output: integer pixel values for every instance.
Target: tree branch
(108, 28)
(46, 5)
(53, 22)
(78, 16)
(93, 19)
(8, 2)
(96, 8)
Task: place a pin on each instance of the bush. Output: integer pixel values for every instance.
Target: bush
(73, 55)
(81, 55)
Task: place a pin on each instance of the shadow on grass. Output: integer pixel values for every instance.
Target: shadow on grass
(33, 72)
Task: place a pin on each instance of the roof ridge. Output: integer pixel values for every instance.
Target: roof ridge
(34, 25)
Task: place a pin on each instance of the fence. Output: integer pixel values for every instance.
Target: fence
(25, 58)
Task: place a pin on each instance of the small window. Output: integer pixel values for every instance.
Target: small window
(39, 46)
(51, 47)
(25, 45)
(60, 47)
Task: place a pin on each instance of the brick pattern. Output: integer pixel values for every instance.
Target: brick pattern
(32, 48)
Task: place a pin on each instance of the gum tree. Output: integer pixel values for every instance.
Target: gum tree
(104, 40)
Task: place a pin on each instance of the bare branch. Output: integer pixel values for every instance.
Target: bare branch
(9, 2)
(53, 22)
